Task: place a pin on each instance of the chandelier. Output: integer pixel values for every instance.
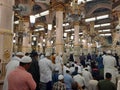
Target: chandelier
(75, 11)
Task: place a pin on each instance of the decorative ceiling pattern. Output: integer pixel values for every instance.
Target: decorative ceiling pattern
(92, 8)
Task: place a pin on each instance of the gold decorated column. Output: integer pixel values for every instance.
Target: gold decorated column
(49, 19)
(59, 28)
(76, 41)
(116, 37)
(92, 44)
(84, 41)
(76, 32)
(41, 44)
(49, 46)
(6, 31)
(26, 45)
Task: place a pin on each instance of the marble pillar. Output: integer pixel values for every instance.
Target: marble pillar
(116, 37)
(92, 36)
(41, 44)
(59, 29)
(6, 31)
(76, 42)
(26, 45)
(49, 46)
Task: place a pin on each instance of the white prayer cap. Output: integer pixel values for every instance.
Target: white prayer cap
(20, 54)
(60, 77)
(68, 64)
(26, 59)
(108, 52)
(56, 69)
(47, 54)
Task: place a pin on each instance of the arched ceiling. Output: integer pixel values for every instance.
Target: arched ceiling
(93, 8)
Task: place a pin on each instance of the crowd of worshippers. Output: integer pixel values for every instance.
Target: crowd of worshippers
(33, 71)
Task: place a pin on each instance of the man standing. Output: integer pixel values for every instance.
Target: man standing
(106, 84)
(12, 64)
(59, 62)
(82, 59)
(20, 79)
(46, 67)
(68, 80)
(87, 75)
(34, 68)
(109, 63)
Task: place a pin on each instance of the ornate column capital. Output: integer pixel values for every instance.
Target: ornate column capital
(116, 13)
(39, 23)
(76, 23)
(58, 6)
(92, 23)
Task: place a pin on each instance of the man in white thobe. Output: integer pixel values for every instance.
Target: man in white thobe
(80, 79)
(59, 63)
(12, 64)
(109, 63)
(87, 75)
(93, 85)
(46, 67)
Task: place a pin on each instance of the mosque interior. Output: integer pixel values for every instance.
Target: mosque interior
(78, 26)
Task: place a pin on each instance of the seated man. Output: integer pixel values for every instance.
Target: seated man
(59, 85)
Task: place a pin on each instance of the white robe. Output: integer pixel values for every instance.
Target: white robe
(46, 67)
(109, 63)
(10, 67)
(59, 63)
(118, 85)
(87, 75)
(93, 85)
(80, 80)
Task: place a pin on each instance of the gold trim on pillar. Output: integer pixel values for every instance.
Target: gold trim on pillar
(6, 54)
(58, 6)
(92, 24)
(59, 44)
(77, 45)
(25, 46)
(76, 23)
(116, 13)
(6, 32)
(40, 23)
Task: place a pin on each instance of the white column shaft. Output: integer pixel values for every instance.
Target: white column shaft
(59, 31)
(76, 35)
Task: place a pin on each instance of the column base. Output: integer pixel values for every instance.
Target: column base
(118, 50)
(6, 47)
(26, 49)
(85, 51)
